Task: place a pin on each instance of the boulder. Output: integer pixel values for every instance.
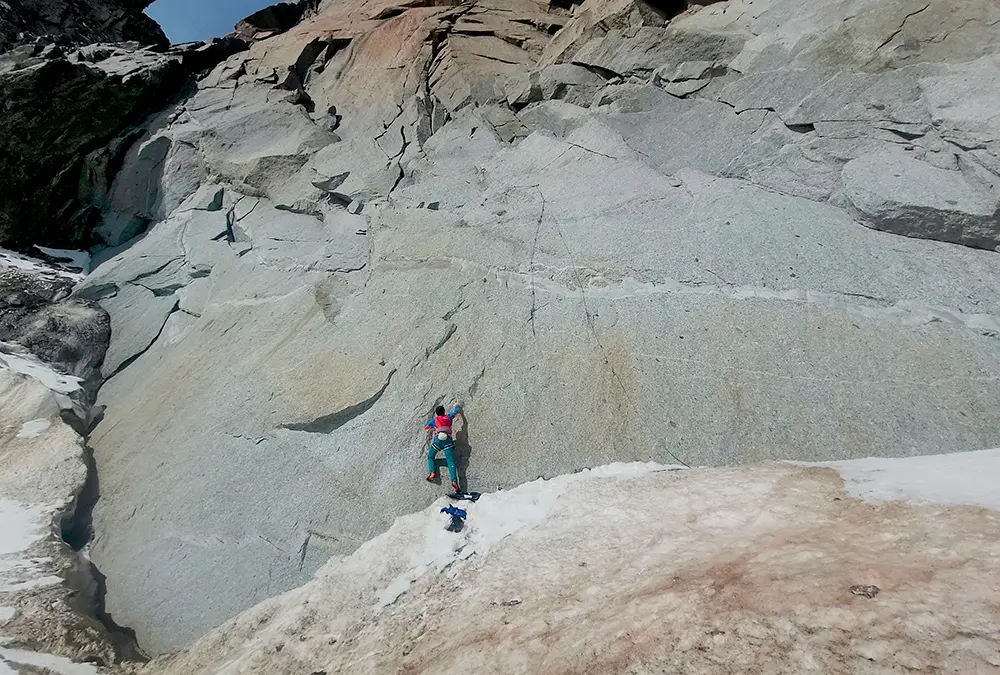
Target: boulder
(895, 192)
(562, 81)
(70, 334)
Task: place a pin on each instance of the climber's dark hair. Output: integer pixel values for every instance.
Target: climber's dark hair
(439, 410)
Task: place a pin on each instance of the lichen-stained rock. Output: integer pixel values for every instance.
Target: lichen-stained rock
(894, 192)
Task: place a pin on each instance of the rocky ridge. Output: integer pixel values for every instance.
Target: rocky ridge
(70, 116)
(79, 22)
(51, 611)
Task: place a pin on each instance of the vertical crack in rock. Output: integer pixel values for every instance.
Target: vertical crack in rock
(474, 387)
(531, 262)
(452, 328)
(405, 143)
(453, 311)
(438, 36)
(330, 423)
(399, 178)
(303, 549)
(899, 30)
(132, 359)
(430, 351)
(386, 126)
(597, 338)
(76, 527)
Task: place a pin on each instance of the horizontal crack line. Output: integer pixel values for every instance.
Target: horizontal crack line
(908, 312)
(716, 370)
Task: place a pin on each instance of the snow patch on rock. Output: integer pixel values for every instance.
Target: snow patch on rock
(495, 517)
(26, 364)
(959, 479)
(47, 662)
(76, 267)
(68, 259)
(44, 588)
(23, 526)
(33, 428)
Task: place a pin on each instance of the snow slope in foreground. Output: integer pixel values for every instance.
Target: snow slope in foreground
(759, 568)
(23, 527)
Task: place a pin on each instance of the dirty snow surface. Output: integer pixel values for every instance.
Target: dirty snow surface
(21, 527)
(643, 569)
(18, 659)
(42, 470)
(19, 361)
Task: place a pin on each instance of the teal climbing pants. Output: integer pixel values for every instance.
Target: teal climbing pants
(448, 448)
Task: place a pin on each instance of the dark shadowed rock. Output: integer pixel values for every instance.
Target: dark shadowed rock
(276, 18)
(57, 112)
(78, 21)
(36, 313)
(66, 125)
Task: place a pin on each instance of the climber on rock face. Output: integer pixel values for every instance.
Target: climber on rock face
(443, 440)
